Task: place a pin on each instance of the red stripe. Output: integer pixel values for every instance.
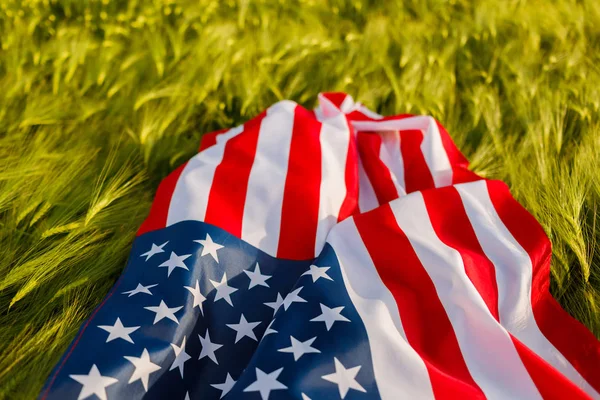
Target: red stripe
(417, 175)
(358, 116)
(549, 381)
(575, 342)
(395, 117)
(300, 209)
(157, 218)
(459, 163)
(350, 204)
(337, 98)
(227, 196)
(463, 175)
(457, 159)
(210, 139)
(452, 226)
(369, 146)
(426, 324)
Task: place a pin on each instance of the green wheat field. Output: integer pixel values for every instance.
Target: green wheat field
(99, 100)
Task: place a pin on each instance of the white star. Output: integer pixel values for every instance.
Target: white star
(208, 348)
(163, 311)
(198, 297)
(265, 383)
(209, 247)
(275, 304)
(118, 331)
(140, 289)
(93, 384)
(143, 368)
(244, 328)
(293, 297)
(305, 397)
(269, 330)
(256, 278)
(154, 250)
(187, 396)
(180, 357)
(226, 386)
(299, 348)
(318, 272)
(175, 261)
(344, 378)
(224, 291)
(330, 315)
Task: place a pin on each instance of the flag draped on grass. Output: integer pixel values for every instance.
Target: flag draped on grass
(332, 254)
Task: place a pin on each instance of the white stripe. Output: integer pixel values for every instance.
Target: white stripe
(326, 109)
(432, 147)
(371, 114)
(190, 197)
(261, 221)
(399, 370)
(335, 139)
(513, 276)
(367, 199)
(347, 105)
(436, 156)
(390, 155)
(486, 347)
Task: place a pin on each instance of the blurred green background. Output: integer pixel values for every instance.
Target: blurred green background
(99, 100)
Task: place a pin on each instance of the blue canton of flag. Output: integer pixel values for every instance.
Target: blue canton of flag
(199, 313)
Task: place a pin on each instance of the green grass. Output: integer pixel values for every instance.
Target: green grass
(99, 100)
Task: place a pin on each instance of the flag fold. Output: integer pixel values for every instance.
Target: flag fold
(331, 254)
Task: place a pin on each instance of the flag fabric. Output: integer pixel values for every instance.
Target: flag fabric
(332, 254)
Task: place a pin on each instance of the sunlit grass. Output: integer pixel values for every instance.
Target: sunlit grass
(99, 100)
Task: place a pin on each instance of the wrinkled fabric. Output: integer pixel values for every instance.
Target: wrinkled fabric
(328, 254)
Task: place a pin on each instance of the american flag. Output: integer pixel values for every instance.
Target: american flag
(332, 254)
